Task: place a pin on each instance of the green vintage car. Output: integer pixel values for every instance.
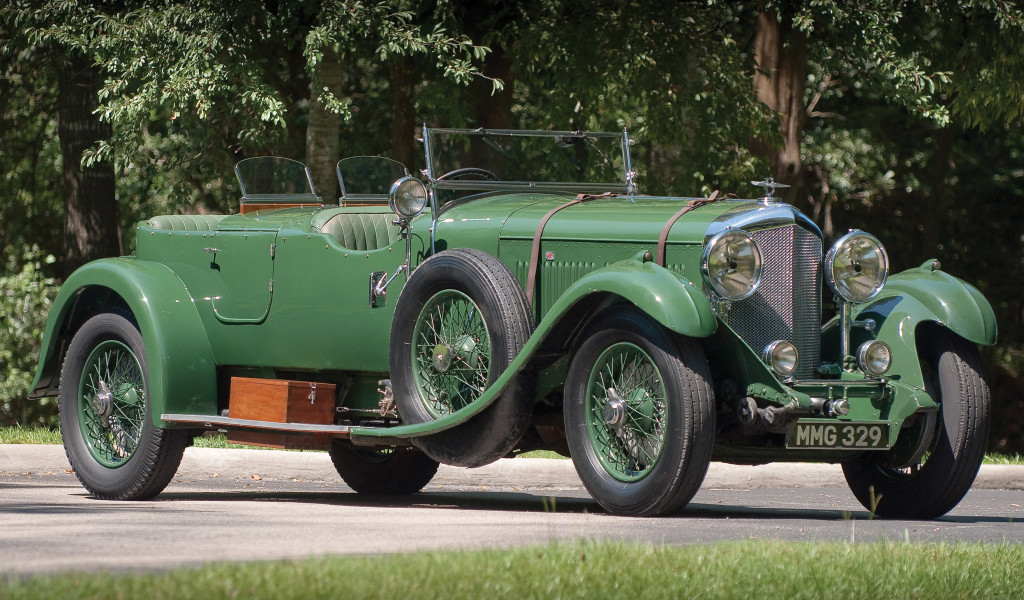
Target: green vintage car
(479, 312)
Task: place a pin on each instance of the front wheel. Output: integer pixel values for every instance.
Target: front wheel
(639, 416)
(953, 445)
(109, 437)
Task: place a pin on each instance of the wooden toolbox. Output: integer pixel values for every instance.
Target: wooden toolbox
(281, 401)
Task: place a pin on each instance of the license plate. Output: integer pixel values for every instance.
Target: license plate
(838, 435)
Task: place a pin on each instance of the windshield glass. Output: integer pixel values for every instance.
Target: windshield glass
(368, 177)
(263, 176)
(531, 160)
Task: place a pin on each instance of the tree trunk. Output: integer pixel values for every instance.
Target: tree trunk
(323, 131)
(403, 127)
(493, 109)
(91, 227)
(781, 56)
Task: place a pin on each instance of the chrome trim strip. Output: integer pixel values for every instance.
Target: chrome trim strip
(530, 186)
(530, 132)
(627, 164)
(429, 172)
(838, 383)
(753, 216)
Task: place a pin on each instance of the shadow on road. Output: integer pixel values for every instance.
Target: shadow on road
(536, 503)
(533, 501)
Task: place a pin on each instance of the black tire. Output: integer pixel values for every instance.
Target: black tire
(639, 415)
(382, 471)
(109, 436)
(450, 287)
(935, 482)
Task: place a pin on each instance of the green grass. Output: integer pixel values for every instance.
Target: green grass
(219, 440)
(590, 570)
(1004, 459)
(33, 435)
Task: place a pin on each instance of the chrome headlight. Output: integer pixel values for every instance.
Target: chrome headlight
(856, 267)
(408, 197)
(732, 264)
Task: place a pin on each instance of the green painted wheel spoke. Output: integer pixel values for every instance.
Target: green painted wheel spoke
(451, 354)
(626, 424)
(111, 403)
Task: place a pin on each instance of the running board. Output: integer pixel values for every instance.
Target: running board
(211, 421)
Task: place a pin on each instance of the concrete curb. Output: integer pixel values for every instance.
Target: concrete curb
(523, 473)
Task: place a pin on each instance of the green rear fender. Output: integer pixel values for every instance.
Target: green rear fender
(925, 295)
(674, 301)
(182, 372)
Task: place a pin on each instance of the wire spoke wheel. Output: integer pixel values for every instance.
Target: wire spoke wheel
(451, 352)
(109, 437)
(627, 411)
(460, 322)
(639, 414)
(112, 403)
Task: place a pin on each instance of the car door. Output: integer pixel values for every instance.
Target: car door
(242, 269)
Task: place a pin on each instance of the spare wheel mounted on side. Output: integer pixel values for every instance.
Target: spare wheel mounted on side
(460, 321)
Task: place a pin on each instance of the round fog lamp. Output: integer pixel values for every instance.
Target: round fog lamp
(732, 264)
(782, 356)
(408, 197)
(874, 357)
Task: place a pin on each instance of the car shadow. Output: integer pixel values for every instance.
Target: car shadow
(538, 502)
(329, 493)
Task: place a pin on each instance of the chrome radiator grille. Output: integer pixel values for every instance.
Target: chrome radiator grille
(787, 304)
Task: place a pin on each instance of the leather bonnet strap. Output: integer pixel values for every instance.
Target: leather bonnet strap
(531, 278)
(663, 238)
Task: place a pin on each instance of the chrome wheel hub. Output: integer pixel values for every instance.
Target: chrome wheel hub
(615, 410)
(442, 358)
(103, 403)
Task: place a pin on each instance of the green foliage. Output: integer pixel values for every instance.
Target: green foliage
(25, 298)
(30, 183)
(203, 69)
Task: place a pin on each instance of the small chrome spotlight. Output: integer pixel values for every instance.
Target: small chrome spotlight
(782, 356)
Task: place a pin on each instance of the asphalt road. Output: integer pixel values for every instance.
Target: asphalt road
(265, 505)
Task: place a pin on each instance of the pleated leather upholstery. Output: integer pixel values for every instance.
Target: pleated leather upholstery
(361, 231)
(186, 222)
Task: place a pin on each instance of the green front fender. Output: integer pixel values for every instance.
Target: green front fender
(674, 302)
(182, 372)
(924, 295)
(668, 298)
(947, 300)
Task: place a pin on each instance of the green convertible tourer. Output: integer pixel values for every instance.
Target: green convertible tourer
(477, 312)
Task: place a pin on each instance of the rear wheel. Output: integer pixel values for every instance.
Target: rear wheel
(382, 471)
(944, 453)
(109, 436)
(639, 416)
